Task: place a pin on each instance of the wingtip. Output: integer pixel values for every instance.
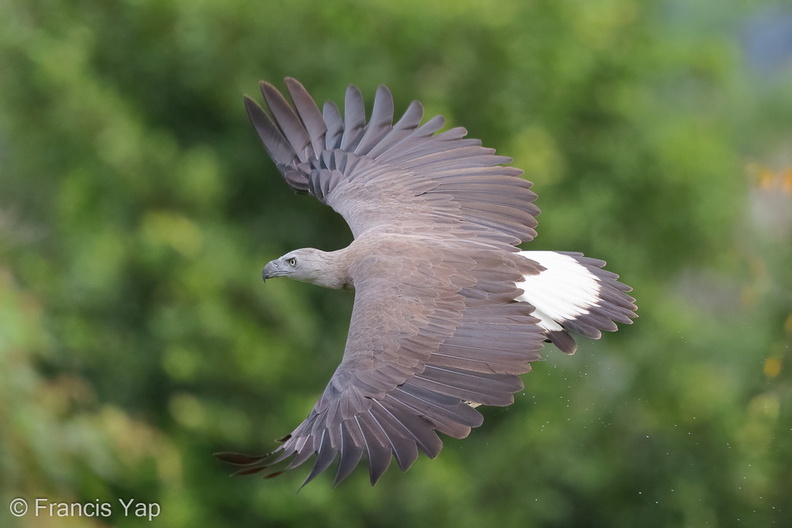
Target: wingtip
(292, 83)
(383, 91)
(269, 92)
(238, 459)
(251, 105)
(354, 89)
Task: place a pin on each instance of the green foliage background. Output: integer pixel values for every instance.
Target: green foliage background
(137, 208)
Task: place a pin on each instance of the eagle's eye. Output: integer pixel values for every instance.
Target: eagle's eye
(291, 262)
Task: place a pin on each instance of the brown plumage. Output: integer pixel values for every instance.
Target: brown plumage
(448, 311)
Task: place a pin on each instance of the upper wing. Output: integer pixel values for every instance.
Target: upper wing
(447, 334)
(395, 177)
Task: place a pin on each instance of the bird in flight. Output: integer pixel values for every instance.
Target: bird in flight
(448, 310)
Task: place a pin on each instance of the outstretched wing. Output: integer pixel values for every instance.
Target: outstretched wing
(398, 177)
(430, 332)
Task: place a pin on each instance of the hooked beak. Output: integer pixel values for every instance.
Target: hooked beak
(272, 269)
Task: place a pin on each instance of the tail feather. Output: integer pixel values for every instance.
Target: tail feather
(575, 294)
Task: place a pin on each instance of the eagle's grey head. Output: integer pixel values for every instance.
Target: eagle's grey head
(307, 265)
